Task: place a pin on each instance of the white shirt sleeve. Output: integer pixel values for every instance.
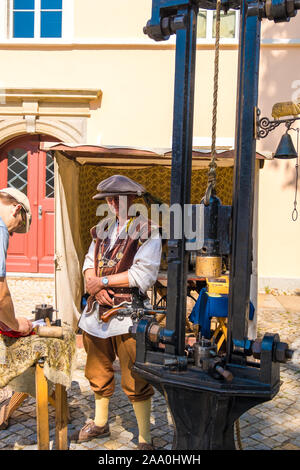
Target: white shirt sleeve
(89, 258)
(144, 270)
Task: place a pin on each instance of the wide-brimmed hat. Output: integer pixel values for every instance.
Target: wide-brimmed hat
(23, 200)
(118, 185)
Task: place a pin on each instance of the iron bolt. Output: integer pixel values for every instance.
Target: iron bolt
(256, 349)
(282, 352)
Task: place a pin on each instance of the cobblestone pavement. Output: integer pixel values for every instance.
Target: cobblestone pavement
(272, 425)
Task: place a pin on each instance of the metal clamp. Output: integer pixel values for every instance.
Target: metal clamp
(176, 363)
(274, 10)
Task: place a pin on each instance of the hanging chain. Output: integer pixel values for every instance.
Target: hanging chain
(295, 211)
(212, 173)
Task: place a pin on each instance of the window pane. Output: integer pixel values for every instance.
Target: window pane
(51, 22)
(49, 175)
(23, 24)
(17, 165)
(201, 26)
(227, 26)
(51, 4)
(23, 4)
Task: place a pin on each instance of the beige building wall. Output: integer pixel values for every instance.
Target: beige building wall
(106, 50)
(123, 19)
(109, 52)
(278, 243)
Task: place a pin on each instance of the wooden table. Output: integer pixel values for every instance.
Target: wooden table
(42, 414)
(193, 283)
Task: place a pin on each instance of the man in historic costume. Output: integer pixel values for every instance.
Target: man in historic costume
(15, 217)
(125, 256)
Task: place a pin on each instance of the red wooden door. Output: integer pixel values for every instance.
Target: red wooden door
(46, 213)
(25, 167)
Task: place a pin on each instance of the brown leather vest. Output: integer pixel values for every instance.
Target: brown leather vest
(119, 258)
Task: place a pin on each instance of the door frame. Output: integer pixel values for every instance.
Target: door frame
(31, 143)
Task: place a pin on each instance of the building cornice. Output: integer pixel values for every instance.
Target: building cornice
(61, 113)
(134, 43)
(50, 94)
(48, 101)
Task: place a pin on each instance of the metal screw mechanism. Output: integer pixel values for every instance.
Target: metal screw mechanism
(178, 363)
(157, 334)
(280, 353)
(274, 10)
(164, 26)
(168, 26)
(206, 358)
(154, 333)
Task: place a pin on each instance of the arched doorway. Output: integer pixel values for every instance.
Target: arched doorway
(25, 167)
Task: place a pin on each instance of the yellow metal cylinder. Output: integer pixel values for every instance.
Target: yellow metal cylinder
(208, 266)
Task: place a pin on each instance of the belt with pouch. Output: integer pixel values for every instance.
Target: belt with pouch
(122, 294)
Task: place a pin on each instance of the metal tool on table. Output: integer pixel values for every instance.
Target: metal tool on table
(206, 391)
(52, 328)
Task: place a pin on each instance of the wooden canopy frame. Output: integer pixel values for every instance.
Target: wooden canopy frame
(135, 157)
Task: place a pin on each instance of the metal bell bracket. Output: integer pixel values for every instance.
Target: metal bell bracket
(264, 125)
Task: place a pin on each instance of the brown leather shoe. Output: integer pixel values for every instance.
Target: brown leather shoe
(145, 446)
(90, 431)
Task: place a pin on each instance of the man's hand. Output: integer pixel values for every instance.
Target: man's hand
(24, 326)
(103, 297)
(93, 285)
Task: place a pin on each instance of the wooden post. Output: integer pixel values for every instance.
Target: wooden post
(42, 417)
(61, 418)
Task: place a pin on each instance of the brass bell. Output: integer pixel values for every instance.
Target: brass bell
(208, 266)
(286, 148)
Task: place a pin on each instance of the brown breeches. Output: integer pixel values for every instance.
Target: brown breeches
(101, 354)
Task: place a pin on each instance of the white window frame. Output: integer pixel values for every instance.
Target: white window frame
(6, 27)
(209, 30)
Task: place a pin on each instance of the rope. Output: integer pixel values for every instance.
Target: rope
(238, 434)
(295, 211)
(212, 176)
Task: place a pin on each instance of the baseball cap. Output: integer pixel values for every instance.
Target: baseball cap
(23, 200)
